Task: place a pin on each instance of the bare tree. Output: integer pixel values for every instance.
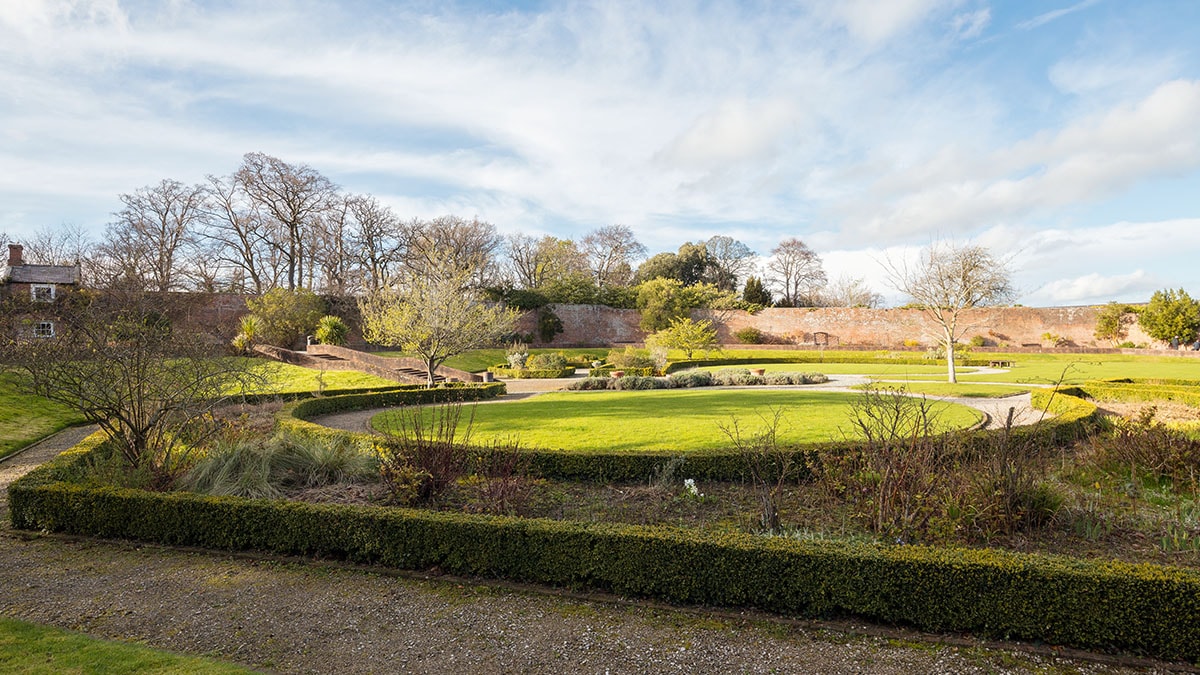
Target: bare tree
(850, 291)
(795, 272)
(449, 244)
(152, 230)
(536, 262)
(63, 245)
(949, 279)
(332, 258)
(243, 243)
(611, 251)
(122, 362)
(729, 260)
(294, 197)
(377, 240)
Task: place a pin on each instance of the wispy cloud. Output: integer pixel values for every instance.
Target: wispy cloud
(1047, 17)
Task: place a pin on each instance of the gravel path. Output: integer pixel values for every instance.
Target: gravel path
(297, 616)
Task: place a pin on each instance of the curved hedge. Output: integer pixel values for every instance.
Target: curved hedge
(1146, 609)
(1137, 391)
(532, 373)
(821, 357)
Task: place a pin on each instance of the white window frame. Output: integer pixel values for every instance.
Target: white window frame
(34, 288)
(43, 329)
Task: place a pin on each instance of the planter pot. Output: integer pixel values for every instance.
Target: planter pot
(758, 371)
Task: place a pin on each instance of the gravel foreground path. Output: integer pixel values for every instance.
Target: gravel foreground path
(299, 616)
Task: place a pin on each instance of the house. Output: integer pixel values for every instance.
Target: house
(37, 284)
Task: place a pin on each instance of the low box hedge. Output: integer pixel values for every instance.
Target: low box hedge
(1145, 609)
(532, 373)
(819, 357)
(607, 371)
(1136, 391)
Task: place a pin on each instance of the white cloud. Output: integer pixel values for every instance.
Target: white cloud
(874, 22)
(970, 24)
(1095, 288)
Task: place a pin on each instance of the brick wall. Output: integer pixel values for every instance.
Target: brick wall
(587, 325)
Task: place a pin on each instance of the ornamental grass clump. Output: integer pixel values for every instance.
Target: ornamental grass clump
(266, 468)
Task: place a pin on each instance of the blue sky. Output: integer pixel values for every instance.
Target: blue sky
(1065, 135)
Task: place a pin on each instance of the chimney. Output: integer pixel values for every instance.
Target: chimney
(14, 255)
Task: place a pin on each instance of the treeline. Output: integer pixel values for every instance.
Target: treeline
(272, 224)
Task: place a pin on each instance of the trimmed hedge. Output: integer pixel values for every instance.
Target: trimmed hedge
(607, 371)
(252, 399)
(1134, 391)
(532, 373)
(819, 357)
(1145, 609)
(1073, 416)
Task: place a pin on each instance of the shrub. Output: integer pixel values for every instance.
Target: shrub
(547, 361)
(978, 341)
(516, 355)
(736, 377)
(630, 357)
(331, 330)
(690, 378)
(638, 383)
(287, 316)
(424, 454)
(1149, 448)
(548, 324)
(1170, 313)
(591, 384)
(750, 336)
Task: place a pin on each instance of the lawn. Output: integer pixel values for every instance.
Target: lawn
(25, 418)
(284, 378)
(665, 420)
(30, 648)
(868, 367)
(964, 390)
(478, 360)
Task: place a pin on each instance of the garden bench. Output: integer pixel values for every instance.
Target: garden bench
(1000, 364)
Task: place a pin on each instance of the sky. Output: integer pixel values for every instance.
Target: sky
(1062, 135)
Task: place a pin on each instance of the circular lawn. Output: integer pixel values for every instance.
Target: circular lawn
(673, 420)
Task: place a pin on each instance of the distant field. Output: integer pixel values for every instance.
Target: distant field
(481, 359)
(671, 420)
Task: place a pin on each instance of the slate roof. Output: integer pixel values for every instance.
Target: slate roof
(42, 274)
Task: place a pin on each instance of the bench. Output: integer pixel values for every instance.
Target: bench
(1000, 364)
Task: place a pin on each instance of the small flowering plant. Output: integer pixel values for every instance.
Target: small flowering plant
(690, 490)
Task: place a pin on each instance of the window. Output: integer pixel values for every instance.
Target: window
(43, 329)
(42, 292)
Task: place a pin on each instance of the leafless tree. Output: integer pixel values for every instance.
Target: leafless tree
(850, 291)
(333, 261)
(150, 232)
(536, 262)
(63, 245)
(611, 251)
(795, 271)
(377, 240)
(241, 240)
(949, 279)
(448, 245)
(294, 197)
(729, 260)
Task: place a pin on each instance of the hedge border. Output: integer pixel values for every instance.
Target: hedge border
(820, 357)
(1140, 608)
(1134, 391)
(532, 373)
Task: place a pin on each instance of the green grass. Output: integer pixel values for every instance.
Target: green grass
(284, 378)
(30, 648)
(1047, 368)
(25, 418)
(965, 390)
(479, 360)
(665, 420)
(897, 370)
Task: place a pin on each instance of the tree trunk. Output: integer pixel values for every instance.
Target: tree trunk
(951, 375)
